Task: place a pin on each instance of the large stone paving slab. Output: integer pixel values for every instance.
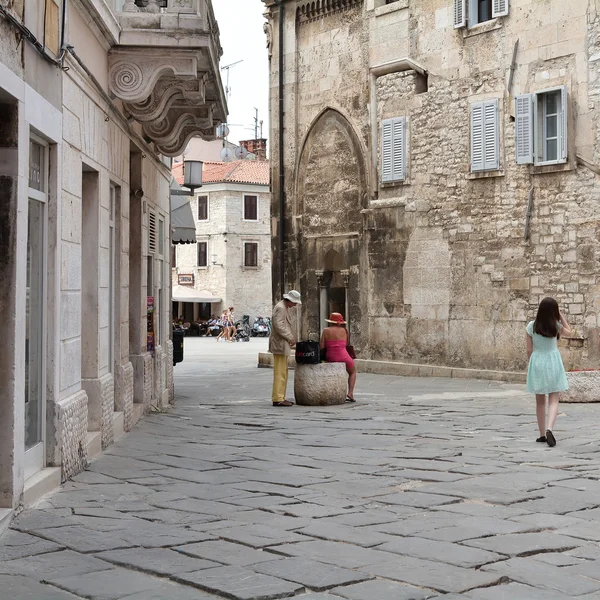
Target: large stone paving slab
(314, 575)
(523, 544)
(240, 583)
(107, 585)
(225, 552)
(445, 552)
(16, 587)
(379, 589)
(158, 561)
(15, 544)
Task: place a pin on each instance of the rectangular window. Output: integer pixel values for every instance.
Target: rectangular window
(485, 136)
(202, 208)
(541, 127)
(202, 254)
(161, 237)
(250, 208)
(474, 12)
(250, 254)
(173, 256)
(393, 150)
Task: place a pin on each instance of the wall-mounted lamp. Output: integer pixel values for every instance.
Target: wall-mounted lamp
(192, 174)
(213, 260)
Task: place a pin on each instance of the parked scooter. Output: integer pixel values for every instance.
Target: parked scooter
(261, 327)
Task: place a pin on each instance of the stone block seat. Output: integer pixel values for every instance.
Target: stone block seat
(584, 386)
(324, 384)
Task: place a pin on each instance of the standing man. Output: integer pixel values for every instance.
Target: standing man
(280, 342)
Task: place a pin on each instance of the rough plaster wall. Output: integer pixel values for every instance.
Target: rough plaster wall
(70, 426)
(107, 386)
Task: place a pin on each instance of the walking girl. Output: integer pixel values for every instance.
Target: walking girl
(546, 373)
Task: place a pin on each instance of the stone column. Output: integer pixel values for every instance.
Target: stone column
(346, 277)
(322, 300)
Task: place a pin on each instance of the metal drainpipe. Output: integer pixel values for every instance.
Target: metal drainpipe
(281, 166)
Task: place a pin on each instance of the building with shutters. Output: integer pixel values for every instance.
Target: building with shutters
(230, 264)
(95, 97)
(440, 164)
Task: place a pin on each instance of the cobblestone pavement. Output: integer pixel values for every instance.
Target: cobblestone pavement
(426, 488)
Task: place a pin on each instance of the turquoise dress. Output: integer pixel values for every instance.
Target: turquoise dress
(546, 373)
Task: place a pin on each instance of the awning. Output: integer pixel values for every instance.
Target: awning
(184, 294)
(182, 218)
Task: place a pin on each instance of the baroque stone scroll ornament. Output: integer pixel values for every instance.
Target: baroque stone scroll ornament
(269, 34)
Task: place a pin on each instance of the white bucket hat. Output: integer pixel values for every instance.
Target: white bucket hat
(293, 296)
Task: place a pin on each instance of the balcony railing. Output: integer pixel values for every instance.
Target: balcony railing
(160, 6)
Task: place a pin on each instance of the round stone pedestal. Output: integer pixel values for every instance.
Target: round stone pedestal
(324, 384)
(584, 386)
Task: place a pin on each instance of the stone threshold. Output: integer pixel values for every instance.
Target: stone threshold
(401, 369)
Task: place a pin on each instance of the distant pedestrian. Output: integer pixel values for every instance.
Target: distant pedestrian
(280, 343)
(546, 373)
(334, 343)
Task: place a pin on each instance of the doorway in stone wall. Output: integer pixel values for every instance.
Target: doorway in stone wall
(333, 286)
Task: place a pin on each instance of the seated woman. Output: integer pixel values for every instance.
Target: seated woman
(334, 340)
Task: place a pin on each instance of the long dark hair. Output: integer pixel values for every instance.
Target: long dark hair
(547, 318)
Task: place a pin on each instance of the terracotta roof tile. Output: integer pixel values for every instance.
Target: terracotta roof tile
(239, 171)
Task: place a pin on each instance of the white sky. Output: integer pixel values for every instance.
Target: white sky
(242, 37)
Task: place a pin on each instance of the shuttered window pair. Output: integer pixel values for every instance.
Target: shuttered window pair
(541, 127)
(393, 150)
(470, 11)
(485, 136)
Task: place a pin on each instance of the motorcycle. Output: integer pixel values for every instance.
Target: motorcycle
(261, 327)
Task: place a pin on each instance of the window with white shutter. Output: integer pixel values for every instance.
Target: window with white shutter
(524, 129)
(499, 8)
(485, 136)
(474, 12)
(393, 150)
(460, 13)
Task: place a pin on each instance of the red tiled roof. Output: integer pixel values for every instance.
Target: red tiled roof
(239, 171)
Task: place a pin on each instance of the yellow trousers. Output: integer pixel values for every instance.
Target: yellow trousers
(280, 377)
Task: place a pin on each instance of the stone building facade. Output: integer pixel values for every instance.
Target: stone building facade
(441, 165)
(93, 101)
(232, 256)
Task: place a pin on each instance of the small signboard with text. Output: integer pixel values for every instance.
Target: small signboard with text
(185, 279)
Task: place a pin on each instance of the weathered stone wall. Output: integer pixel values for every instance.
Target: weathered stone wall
(126, 395)
(442, 271)
(70, 433)
(170, 372)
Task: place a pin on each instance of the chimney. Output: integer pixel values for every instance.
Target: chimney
(258, 147)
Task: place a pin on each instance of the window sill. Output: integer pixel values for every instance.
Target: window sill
(552, 168)
(245, 268)
(390, 8)
(249, 220)
(392, 184)
(484, 27)
(486, 174)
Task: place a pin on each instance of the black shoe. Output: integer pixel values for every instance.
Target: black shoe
(349, 399)
(541, 439)
(550, 439)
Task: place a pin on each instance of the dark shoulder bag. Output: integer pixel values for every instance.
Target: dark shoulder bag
(349, 346)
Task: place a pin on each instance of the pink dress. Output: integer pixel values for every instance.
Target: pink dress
(336, 352)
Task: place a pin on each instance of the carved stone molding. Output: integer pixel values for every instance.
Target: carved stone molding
(171, 94)
(316, 9)
(346, 277)
(319, 275)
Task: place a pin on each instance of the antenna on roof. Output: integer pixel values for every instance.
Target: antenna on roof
(227, 68)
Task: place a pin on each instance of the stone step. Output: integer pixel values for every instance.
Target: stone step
(40, 484)
(94, 444)
(118, 425)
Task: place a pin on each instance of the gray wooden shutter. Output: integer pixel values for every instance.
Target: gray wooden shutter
(477, 143)
(491, 135)
(460, 13)
(399, 151)
(499, 8)
(564, 138)
(387, 146)
(524, 129)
